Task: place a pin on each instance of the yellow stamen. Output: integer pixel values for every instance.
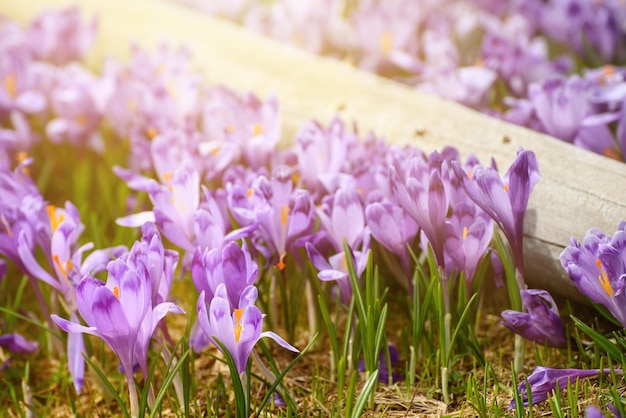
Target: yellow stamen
(151, 132)
(55, 258)
(6, 226)
(21, 156)
(344, 261)
(281, 262)
(613, 153)
(464, 233)
(284, 214)
(604, 280)
(81, 120)
(54, 221)
(167, 176)
(257, 129)
(505, 187)
(238, 326)
(172, 89)
(10, 85)
(295, 177)
(116, 292)
(250, 193)
(215, 151)
(469, 174)
(133, 105)
(230, 128)
(608, 70)
(385, 43)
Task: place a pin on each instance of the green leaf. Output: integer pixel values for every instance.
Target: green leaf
(366, 393)
(108, 385)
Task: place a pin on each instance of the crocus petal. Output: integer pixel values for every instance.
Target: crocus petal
(18, 344)
(136, 219)
(331, 275)
(543, 381)
(30, 263)
(279, 340)
(110, 319)
(75, 350)
(69, 326)
(85, 293)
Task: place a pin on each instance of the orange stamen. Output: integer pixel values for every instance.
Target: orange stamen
(55, 258)
(604, 280)
(295, 177)
(10, 85)
(284, 214)
(257, 129)
(167, 176)
(6, 226)
(151, 132)
(238, 326)
(613, 153)
(281, 262)
(505, 187)
(54, 221)
(250, 193)
(464, 233)
(21, 156)
(230, 128)
(385, 43)
(116, 292)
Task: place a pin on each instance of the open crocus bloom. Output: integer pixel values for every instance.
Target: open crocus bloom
(120, 312)
(238, 329)
(597, 265)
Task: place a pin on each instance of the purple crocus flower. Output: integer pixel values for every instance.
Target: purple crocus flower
(76, 110)
(60, 36)
(543, 381)
(232, 266)
(18, 344)
(238, 329)
(284, 214)
(597, 265)
(540, 323)
(335, 268)
(322, 154)
(468, 233)
(504, 199)
(383, 371)
(594, 412)
(422, 194)
(121, 313)
(3, 269)
(393, 228)
(175, 203)
(342, 218)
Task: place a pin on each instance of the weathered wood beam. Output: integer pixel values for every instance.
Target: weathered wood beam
(578, 190)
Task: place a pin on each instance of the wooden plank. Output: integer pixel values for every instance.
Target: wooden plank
(578, 190)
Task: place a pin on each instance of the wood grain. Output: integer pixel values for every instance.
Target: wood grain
(578, 190)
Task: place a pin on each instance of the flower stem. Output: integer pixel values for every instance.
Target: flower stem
(518, 361)
(132, 393)
(444, 385)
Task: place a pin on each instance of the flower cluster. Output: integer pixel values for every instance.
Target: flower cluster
(243, 211)
(484, 54)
